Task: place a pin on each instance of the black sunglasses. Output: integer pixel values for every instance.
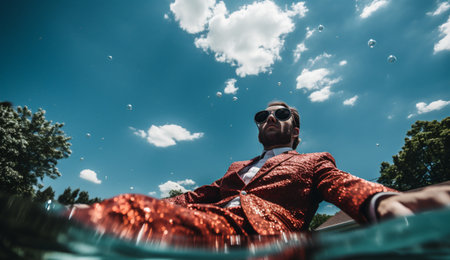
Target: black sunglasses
(282, 114)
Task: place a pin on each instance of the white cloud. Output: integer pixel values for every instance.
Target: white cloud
(315, 79)
(90, 175)
(422, 107)
(350, 101)
(186, 182)
(152, 193)
(312, 62)
(444, 43)
(192, 14)
(373, 7)
(309, 32)
(250, 38)
(320, 95)
(343, 63)
(299, 50)
(230, 88)
(444, 6)
(166, 187)
(166, 135)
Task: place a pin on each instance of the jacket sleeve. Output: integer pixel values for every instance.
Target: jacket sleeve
(203, 194)
(344, 190)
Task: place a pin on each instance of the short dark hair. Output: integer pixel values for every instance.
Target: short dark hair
(295, 114)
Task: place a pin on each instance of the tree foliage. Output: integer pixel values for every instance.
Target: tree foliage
(69, 197)
(30, 147)
(45, 195)
(318, 220)
(174, 193)
(423, 160)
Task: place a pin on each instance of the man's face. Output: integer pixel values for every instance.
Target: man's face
(274, 133)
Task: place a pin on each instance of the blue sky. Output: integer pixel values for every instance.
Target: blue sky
(85, 62)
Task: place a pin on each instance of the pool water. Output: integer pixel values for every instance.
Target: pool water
(34, 231)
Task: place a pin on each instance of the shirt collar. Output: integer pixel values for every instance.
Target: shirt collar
(277, 151)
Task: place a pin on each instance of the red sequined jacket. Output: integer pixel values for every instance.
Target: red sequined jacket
(285, 193)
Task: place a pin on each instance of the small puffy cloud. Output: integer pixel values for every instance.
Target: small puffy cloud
(192, 14)
(312, 62)
(422, 107)
(90, 175)
(186, 182)
(444, 43)
(166, 135)
(250, 38)
(166, 187)
(230, 88)
(320, 95)
(152, 193)
(315, 79)
(350, 101)
(342, 63)
(299, 50)
(373, 7)
(309, 32)
(443, 7)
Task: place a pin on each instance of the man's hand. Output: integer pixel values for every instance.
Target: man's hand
(409, 203)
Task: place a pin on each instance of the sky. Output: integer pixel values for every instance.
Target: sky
(160, 95)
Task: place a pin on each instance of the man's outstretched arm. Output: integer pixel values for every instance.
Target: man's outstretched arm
(408, 203)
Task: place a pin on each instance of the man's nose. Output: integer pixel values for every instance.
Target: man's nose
(271, 118)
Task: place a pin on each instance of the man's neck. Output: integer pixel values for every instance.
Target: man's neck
(268, 148)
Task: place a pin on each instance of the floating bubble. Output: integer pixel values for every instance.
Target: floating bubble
(231, 125)
(130, 107)
(371, 43)
(110, 57)
(279, 83)
(219, 94)
(377, 144)
(235, 98)
(88, 135)
(392, 59)
(106, 177)
(320, 28)
(103, 138)
(290, 92)
(81, 158)
(131, 188)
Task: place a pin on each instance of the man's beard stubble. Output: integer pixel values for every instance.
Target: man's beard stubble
(282, 137)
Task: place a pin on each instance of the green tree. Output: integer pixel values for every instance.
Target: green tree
(30, 147)
(174, 193)
(45, 195)
(69, 197)
(318, 220)
(423, 160)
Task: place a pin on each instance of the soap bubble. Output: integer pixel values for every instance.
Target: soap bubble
(131, 188)
(88, 135)
(320, 28)
(377, 144)
(106, 177)
(81, 158)
(290, 92)
(392, 59)
(219, 94)
(110, 57)
(279, 83)
(235, 98)
(130, 107)
(371, 43)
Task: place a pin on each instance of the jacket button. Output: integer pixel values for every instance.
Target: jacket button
(243, 192)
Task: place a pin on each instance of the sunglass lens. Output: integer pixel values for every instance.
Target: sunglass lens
(283, 114)
(261, 116)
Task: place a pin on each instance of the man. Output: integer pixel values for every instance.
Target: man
(276, 192)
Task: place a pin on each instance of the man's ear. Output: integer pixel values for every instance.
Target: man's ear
(296, 131)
